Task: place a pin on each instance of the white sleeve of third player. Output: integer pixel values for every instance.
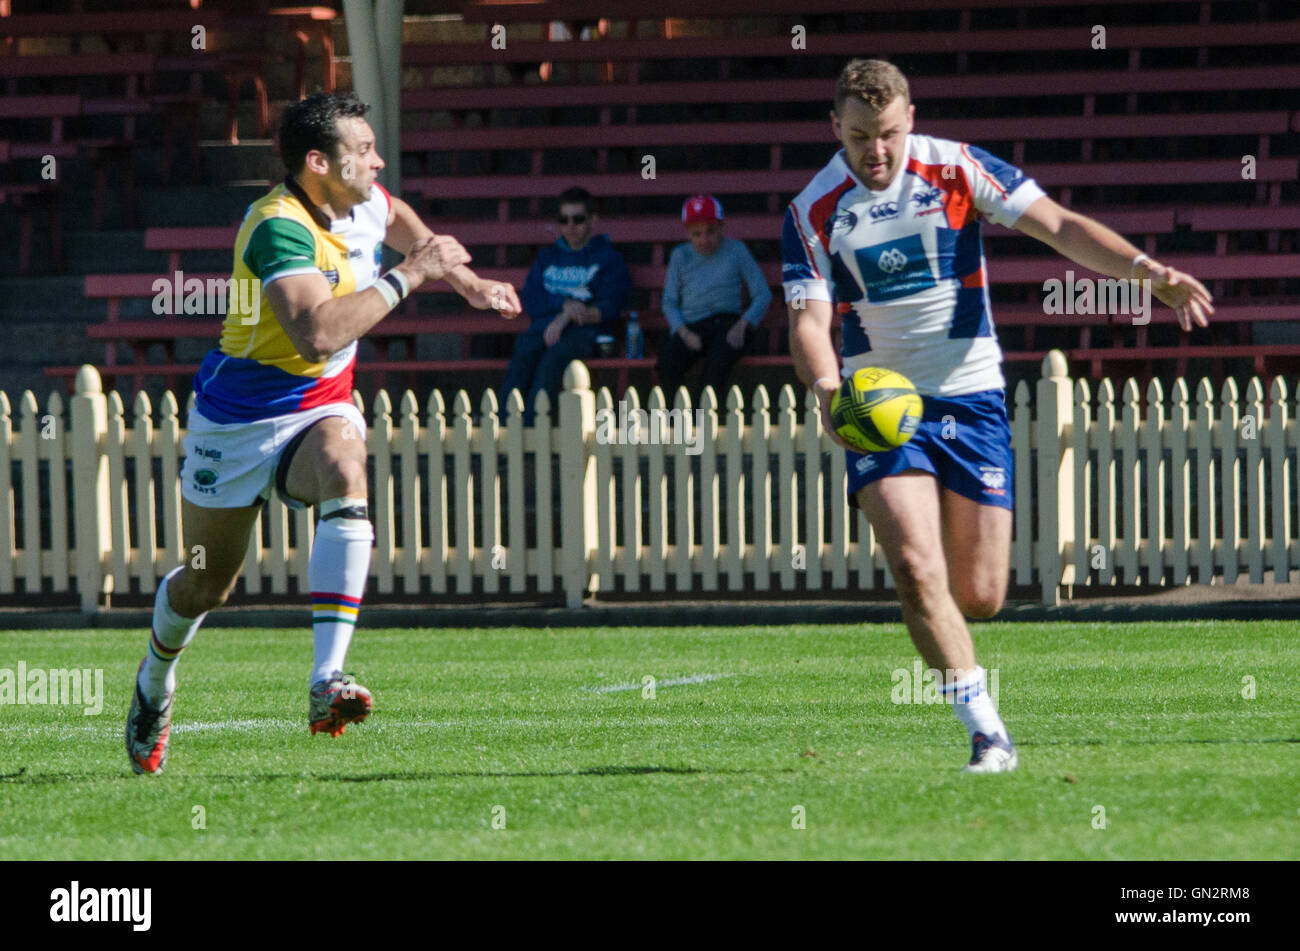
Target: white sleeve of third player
(1001, 190)
(804, 262)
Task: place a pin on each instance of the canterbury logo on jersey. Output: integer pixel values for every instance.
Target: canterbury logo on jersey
(883, 211)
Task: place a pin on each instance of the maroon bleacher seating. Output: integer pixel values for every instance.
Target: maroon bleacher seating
(1247, 271)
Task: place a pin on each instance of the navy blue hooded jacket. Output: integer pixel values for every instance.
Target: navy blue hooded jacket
(595, 275)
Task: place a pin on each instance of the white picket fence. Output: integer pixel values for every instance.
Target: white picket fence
(1110, 489)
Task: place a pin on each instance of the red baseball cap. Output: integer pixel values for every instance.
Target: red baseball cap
(701, 208)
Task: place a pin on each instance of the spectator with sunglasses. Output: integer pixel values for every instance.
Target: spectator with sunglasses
(574, 293)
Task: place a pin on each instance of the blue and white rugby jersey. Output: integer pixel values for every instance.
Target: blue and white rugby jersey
(908, 262)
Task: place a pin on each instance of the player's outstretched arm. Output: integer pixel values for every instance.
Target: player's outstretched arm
(1090, 243)
(405, 229)
(814, 357)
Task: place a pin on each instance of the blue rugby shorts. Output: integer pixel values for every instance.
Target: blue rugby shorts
(965, 441)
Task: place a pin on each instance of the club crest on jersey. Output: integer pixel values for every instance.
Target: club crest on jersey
(883, 211)
(924, 199)
(842, 223)
(891, 261)
(894, 269)
(994, 479)
(204, 480)
(332, 275)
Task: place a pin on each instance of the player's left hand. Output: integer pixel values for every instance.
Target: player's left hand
(495, 295)
(736, 335)
(1184, 293)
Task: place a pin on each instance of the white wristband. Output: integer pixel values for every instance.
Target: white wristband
(401, 279)
(389, 295)
(1132, 271)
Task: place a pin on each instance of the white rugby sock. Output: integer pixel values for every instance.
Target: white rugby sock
(974, 707)
(340, 561)
(171, 632)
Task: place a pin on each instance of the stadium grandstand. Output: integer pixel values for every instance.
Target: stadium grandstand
(131, 141)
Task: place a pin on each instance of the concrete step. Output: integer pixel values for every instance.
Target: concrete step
(197, 205)
(250, 159)
(56, 299)
(115, 251)
(42, 323)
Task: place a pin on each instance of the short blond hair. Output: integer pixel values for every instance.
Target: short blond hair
(875, 81)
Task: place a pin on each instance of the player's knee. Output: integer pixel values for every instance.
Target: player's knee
(981, 608)
(980, 601)
(343, 477)
(917, 576)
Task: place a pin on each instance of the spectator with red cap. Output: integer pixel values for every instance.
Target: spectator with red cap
(702, 300)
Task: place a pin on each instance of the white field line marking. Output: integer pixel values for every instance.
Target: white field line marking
(236, 726)
(674, 682)
(248, 726)
(242, 726)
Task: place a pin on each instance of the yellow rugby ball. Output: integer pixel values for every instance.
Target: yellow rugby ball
(876, 410)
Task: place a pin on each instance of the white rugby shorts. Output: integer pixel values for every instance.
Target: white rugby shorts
(232, 465)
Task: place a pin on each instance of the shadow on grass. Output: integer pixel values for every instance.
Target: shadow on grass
(589, 771)
(21, 778)
(1092, 741)
(47, 779)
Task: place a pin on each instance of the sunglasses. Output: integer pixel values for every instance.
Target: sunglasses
(571, 220)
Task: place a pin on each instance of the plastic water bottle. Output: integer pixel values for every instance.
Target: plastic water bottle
(635, 339)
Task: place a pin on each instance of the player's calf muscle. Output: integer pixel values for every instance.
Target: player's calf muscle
(216, 541)
(196, 591)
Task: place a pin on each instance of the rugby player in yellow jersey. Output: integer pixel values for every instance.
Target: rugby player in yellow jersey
(273, 402)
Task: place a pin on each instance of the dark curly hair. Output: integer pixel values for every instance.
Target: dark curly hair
(310, 124)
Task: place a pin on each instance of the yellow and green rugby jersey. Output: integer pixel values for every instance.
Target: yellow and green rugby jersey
(255, 372)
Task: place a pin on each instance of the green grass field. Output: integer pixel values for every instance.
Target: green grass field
(473, 728)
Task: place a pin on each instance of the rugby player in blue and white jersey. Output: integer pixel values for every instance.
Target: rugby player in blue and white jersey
(887, 235)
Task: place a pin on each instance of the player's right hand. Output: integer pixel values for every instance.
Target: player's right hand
(825, 393)
(433, 257)
(1188, 297)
